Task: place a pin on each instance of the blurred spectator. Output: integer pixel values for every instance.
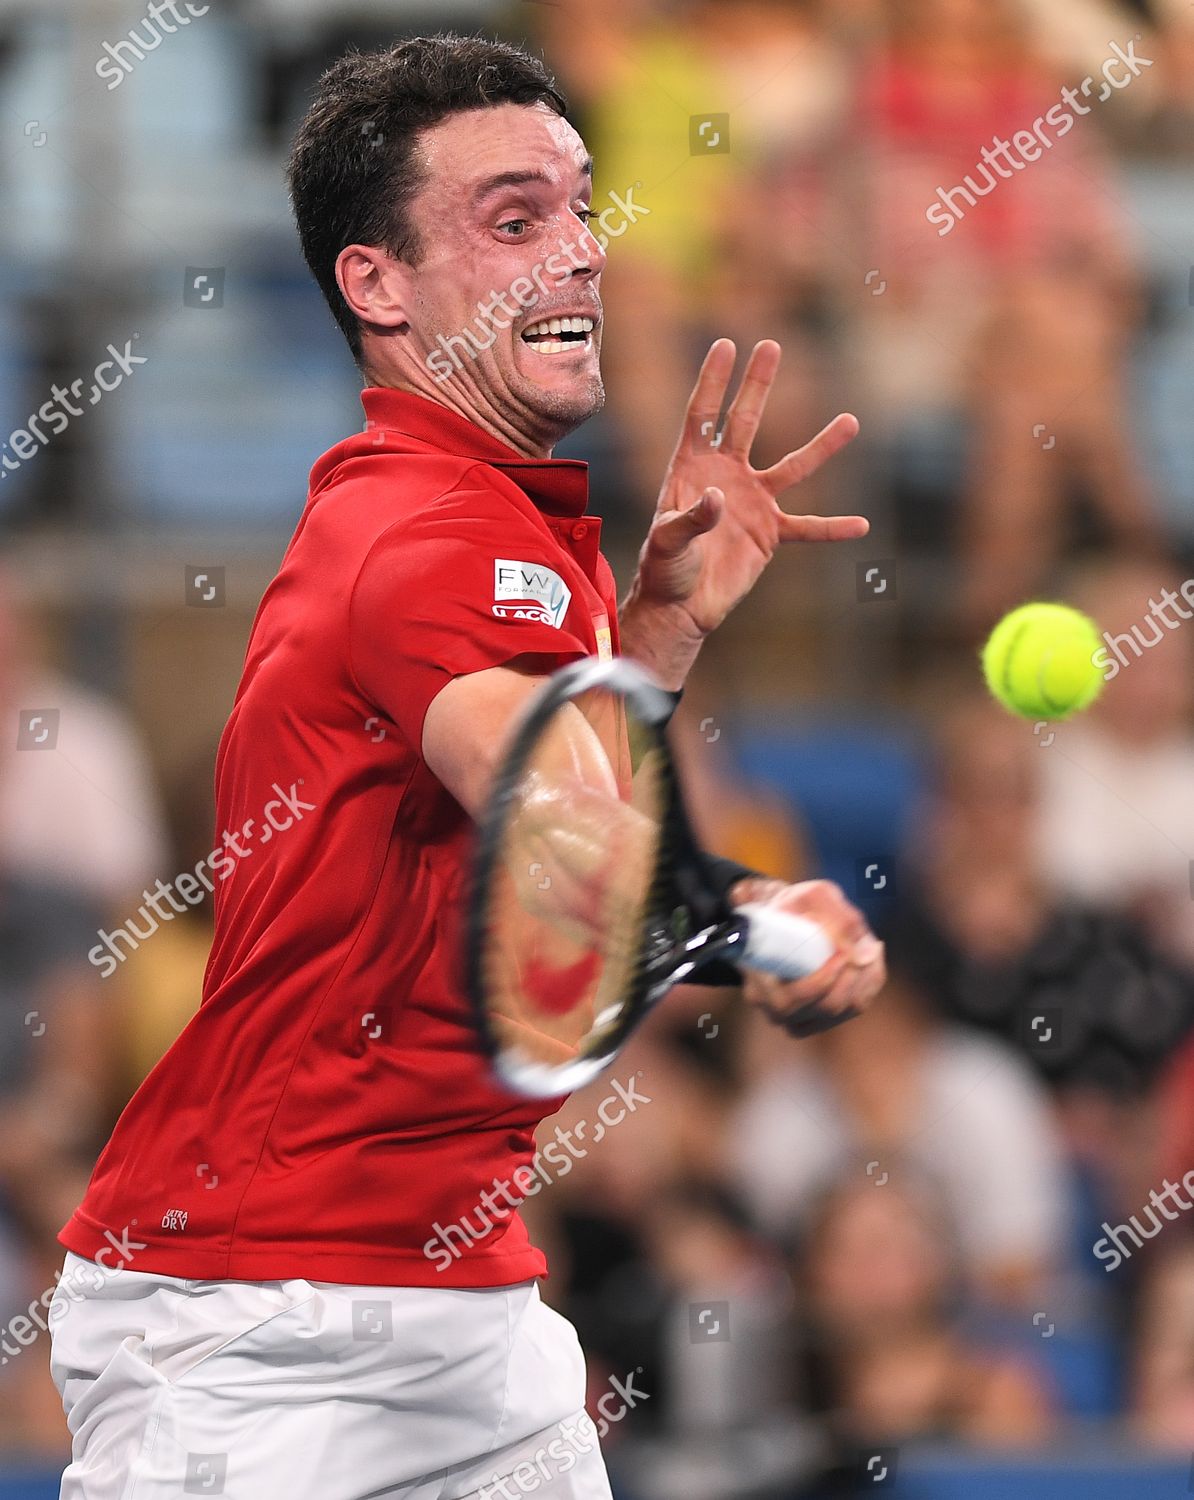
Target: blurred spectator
(787, 246)
(160, 985)
(786, 79)
(725, 1355)
(56, 1085)
(605, 1185)
(1083, 991)
(79, 833)
(77, 800)
(1074, 35)
(905, 1094)
(1168, 129)
(1164, 1385)
(1019, 279)
(890, 1357)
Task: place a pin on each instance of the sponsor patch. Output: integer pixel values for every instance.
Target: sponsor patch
(529, 591)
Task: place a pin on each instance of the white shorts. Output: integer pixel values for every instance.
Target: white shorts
(281, 1390)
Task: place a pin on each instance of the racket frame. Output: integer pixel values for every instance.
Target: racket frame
(681, 882)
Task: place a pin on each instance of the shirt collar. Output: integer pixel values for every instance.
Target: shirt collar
(557, 486)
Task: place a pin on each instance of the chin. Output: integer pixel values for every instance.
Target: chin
(569, 405)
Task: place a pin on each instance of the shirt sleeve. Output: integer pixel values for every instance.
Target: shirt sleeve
(463, 586)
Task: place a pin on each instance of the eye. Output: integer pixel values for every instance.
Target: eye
(585, 215)
(516, 228)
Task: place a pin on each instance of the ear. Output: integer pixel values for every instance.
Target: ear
(378, 288)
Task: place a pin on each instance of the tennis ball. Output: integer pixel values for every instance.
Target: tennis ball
(1038, 661)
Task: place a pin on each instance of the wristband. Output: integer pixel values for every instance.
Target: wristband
(723, 875)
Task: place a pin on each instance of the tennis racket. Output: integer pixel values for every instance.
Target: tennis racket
(590, 896)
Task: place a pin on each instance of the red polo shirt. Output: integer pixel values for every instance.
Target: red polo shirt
(326, 1111)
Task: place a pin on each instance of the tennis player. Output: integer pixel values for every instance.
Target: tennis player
(249, 1305)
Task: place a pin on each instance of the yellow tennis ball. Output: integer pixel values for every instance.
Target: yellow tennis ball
(1039, 661)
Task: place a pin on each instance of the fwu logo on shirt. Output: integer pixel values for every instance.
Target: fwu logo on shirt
(529, 591)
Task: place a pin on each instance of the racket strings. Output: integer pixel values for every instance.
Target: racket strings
(576, 898)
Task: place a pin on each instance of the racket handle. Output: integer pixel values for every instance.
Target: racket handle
(783, 944)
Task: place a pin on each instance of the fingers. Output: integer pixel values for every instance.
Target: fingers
(811, 1021)
(676, 530)
(709, 393)
(797, 466)
(822, 528)
(826, 904)
(843, 989)
(797, 1018)
(856, 986)
(844, 986)
(817, 989)
(780, 998)
(746, 412)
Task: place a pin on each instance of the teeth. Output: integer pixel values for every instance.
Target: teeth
(550, 326)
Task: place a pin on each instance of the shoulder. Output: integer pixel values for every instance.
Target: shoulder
(469, 502)
(464, 539)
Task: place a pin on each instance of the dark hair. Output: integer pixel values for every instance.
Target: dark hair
(354, 168)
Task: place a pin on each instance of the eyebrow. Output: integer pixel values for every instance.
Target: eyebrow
(521, 179)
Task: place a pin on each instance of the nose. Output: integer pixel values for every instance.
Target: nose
(588, 254)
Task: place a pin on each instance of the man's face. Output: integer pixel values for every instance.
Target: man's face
(502, 226)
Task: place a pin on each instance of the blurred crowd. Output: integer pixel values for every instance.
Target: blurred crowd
(950, 1219)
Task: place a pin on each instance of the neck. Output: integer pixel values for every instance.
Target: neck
(529, 436)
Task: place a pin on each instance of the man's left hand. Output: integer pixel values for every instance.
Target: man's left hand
(718, 521)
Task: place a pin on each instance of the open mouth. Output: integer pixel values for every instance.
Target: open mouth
(559, 335)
